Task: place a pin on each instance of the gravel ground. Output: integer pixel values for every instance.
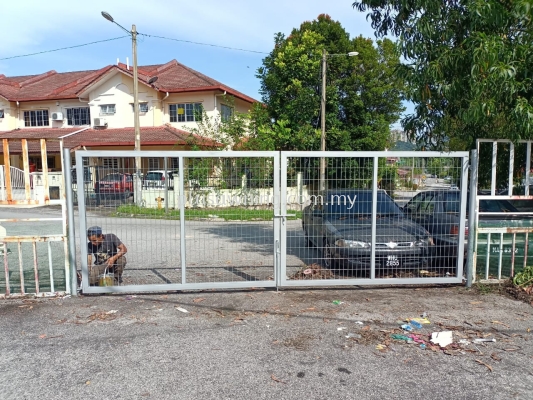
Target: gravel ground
(263, 344)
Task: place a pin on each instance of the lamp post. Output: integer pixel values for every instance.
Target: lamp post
(323, 114)
(136, 123)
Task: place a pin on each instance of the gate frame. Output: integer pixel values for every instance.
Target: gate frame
(375, 155)
(274, 155)
(474, 207)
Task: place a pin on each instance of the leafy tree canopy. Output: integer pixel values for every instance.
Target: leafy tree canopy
(363, 95)
(467, 66)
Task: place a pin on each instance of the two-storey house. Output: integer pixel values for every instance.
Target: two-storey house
(94, 109)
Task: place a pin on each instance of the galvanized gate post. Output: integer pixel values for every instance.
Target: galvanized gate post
(472, 226)
(70, 222)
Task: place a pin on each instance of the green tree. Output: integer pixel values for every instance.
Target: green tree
(363, 95)
(467, 67)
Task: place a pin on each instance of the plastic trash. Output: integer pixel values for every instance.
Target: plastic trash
(399, 337)
(308, 271)
(183, 310)
(484, 340)
(353, 336)
(423, 346)
(341, 328)
(419, 320)
(337, 302)
(443, 338)
(359, 322)
(407, 327)
(415, 324)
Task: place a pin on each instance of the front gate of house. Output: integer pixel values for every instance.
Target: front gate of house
(503, 209)
(236, 219)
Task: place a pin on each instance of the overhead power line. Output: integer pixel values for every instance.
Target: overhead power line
(140, 34)
(63, 48)
(202, 44)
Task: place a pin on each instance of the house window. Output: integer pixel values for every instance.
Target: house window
(36, 118)
(37, 161)
(1, 113)
(78, 116)
(73, 161)
(143, 107)
(107, 109)
(174, 163)
(153, 163)
(185, 112)
(110, 163)
(226, 112)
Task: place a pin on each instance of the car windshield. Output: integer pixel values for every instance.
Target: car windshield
(453, 204)
(154, 176)
(341, 205)
(112, 178)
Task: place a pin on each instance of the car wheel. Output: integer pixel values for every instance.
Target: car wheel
(326, 254)
(308, 241)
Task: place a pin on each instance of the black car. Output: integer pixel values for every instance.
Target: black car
(438, 211)
(340, 223)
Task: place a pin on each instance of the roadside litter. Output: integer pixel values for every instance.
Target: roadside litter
(484, 340)
(443, 339)
(353, 335)
(415, 324)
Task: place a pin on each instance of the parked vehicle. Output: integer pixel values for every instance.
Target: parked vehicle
(115, 185)
(342, 228)
(157, 179)
(438, 211)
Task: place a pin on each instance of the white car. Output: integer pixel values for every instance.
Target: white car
(156, 179)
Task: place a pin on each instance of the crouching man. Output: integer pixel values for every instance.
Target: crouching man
(108, 252)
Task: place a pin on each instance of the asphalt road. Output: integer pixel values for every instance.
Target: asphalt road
(262, 344)
(216, 251)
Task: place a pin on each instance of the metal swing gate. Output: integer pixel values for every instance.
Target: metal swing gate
(502, 210)
(234, 219)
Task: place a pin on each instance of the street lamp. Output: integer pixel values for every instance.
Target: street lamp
(136, 124)
(323, 114)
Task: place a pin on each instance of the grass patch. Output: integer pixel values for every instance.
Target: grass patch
(487, 289)
(227, 214)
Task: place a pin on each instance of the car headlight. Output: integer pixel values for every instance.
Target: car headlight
(425, 242)
(352, 244)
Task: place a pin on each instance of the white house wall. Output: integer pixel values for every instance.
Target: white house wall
(118, 89)
(10, 115)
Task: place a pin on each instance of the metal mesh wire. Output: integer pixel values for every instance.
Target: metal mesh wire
(224, 223)
(505, 208)
(415, 237)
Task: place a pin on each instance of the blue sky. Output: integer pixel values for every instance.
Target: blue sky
(36, 26)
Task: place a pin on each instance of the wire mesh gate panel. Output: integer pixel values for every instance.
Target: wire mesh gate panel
(503, 209)
(34, 252)
(189, 220)
(373, 217)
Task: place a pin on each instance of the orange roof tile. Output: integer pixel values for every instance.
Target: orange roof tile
(173, 77)
(165, 135)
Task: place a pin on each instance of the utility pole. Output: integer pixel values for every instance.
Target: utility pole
(136, 123)
(323, 124)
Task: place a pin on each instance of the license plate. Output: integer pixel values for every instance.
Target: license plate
(392, 261)
(505, 249)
